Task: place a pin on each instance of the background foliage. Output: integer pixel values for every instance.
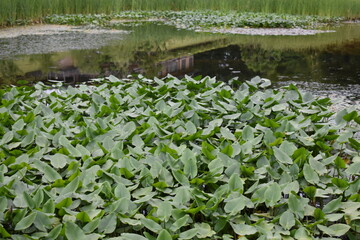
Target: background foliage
(17, 11)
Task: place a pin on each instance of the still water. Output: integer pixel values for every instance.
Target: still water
(322, 62)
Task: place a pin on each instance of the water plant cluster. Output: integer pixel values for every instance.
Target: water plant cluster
(209, 19)
(170, 158)
(78, 19)
(200, 19)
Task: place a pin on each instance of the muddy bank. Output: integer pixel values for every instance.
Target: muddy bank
(49, 29)
(40, 39)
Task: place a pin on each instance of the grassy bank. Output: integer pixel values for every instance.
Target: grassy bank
(13, 10)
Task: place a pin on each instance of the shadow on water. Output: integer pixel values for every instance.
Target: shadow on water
(323, 60)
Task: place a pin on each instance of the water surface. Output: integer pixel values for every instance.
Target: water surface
(322, 62)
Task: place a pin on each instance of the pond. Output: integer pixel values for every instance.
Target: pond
(326, 62)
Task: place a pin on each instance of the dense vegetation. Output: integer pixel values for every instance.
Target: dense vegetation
(172, 158)
(199, 20)
(19, 11)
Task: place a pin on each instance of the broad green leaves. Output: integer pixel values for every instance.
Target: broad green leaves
(74, 232)
(336, 230)
(176, 159)
(281, 156)
(243, 229)
(188, 158)
(287, 220)
(26, 222)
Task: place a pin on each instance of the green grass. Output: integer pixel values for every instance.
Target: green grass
(16, 11)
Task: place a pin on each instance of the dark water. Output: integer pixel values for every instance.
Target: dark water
(326, 62)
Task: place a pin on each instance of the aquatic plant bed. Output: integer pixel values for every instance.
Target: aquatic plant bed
(172, 158)
(204, 19)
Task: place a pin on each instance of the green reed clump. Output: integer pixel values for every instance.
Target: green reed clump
(11, 11)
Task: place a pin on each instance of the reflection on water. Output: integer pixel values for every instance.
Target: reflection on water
(156, 50)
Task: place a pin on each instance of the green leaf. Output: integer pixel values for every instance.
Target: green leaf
(282, 156)
(287, 220)
(204, 230)
(49, 206)
(272, 194)
(26, 222)
(332, 206)
(353, 169)
(74, 232)
(66, 143)
(296, 205)
(29, 201)
(64, 203)
(339, 162)
(3, 203)
(248, 133)
(121, 191)
(190, 165)
(189, 234)
(43, 221)
(310, 191)
(340, 183)
(243, 229)
(83, 217)
(310, 175)
(180, 177)
(318, 214)
(55, 232)
(180, 223)
(234, 206)
(92, 225)
(151, 225)
(127, 130)
(71, 187)
(108, 224)
(164, 212)
(228, 150)
(350, 116)
(3, 232)
(227, 134)
(7, 138)
(164, 235)
(129, 236)
(207, 149)
(19, 125)
(190, 128)
(336, 230)
(235, 183)
(354, 144)
(58, 160)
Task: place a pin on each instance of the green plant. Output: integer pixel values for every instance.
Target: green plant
(201, 19)
(13, 10)
(172, 158)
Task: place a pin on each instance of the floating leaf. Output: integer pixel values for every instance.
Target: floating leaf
(287, 220)
(26, 222)
(336, 230)
(234, 206)
(151, 225)
(282, 156)
(164, 235)
(243, 229)
(74, 232)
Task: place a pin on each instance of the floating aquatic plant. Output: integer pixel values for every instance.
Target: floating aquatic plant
(190, 158)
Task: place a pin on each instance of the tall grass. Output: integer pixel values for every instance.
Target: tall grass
(13, 10)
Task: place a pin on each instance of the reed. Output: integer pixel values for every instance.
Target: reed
(12, 11)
